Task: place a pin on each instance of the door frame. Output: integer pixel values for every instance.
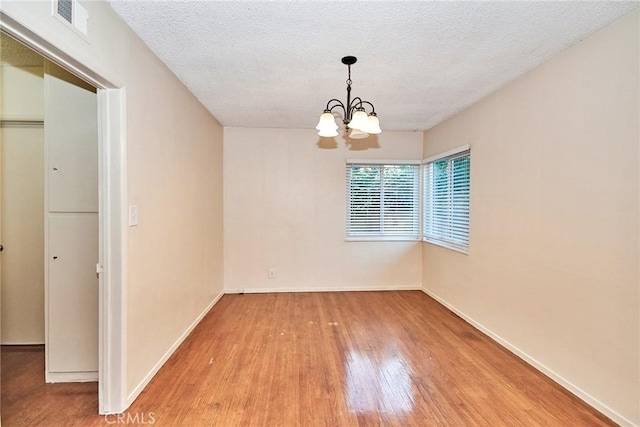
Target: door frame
(112, 190)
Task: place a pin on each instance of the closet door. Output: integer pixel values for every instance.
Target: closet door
(71, 141)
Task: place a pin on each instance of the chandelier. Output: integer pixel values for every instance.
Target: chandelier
(356, 118)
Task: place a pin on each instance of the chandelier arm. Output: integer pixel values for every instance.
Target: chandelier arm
(373, 109)
(337, 104)
(355, 103)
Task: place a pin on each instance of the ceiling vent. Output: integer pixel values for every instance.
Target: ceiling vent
(73, 13)
(65, 10)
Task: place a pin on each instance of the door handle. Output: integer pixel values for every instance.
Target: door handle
(1, 248)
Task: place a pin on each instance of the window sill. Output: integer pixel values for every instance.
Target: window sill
(450, 246)
(382, 239)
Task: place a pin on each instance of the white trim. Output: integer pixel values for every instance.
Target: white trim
(382, 239)
(112, 303)
(113, 298)
(321, 289)
(45, 212)
(577, 391)
(460, 248)
(381, 162)
(72, 377)
(447, 153)
(53, 53)
(145, 381)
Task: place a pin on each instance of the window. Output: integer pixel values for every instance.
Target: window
(383, 201)
(446, 199)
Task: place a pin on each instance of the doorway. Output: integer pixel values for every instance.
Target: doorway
(112, 395)
(49, 214)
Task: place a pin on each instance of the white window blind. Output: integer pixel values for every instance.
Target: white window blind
(383, 201)
(446, 201)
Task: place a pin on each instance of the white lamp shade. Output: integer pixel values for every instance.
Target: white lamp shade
(359, 120)
(373, 125)
(358, 134)
(328, 133)
(327, 122)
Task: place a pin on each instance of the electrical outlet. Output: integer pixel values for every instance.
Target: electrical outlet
(272, 273)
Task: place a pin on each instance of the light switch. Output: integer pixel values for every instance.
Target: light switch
(133, 215)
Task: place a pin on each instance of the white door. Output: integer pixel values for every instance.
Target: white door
(71, 234)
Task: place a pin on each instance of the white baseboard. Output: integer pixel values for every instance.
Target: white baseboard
(71, 377)
(320, 289)
(586, 397)
(145, 381)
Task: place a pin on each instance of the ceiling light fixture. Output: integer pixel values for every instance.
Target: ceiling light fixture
(355, 116)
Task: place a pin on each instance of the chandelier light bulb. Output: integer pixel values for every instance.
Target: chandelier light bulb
(328, 133)
(359, 120)
(358, 134)
(327, 121)
(373, 125)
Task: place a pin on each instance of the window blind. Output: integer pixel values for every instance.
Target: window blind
(383, 200)
(446, 201)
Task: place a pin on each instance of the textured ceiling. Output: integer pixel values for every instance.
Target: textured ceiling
(276, 64)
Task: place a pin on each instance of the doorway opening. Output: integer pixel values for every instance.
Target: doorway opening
(48, 218)
(111, 196)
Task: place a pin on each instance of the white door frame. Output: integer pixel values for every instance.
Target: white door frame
(112, 393)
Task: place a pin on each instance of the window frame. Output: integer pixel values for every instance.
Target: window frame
(417, 165)
(450, 155)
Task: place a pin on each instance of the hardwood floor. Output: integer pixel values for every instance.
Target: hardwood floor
(28, 401)
(317, 359)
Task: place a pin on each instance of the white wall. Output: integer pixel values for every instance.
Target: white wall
(22, 216)
(554, 247)
(284, 208)
(174, 169)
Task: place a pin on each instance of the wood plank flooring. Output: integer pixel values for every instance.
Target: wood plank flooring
(28, 401)
(316, 359)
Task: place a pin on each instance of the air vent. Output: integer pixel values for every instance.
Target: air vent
(73, 13)
(65, 10)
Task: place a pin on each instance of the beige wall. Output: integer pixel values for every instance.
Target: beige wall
(284, 208)
(175, 180)
(553, 267)
(22, 94)
(174, 167)
(553, 261)
(22, 216)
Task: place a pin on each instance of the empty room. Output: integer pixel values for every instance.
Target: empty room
(328, 213)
